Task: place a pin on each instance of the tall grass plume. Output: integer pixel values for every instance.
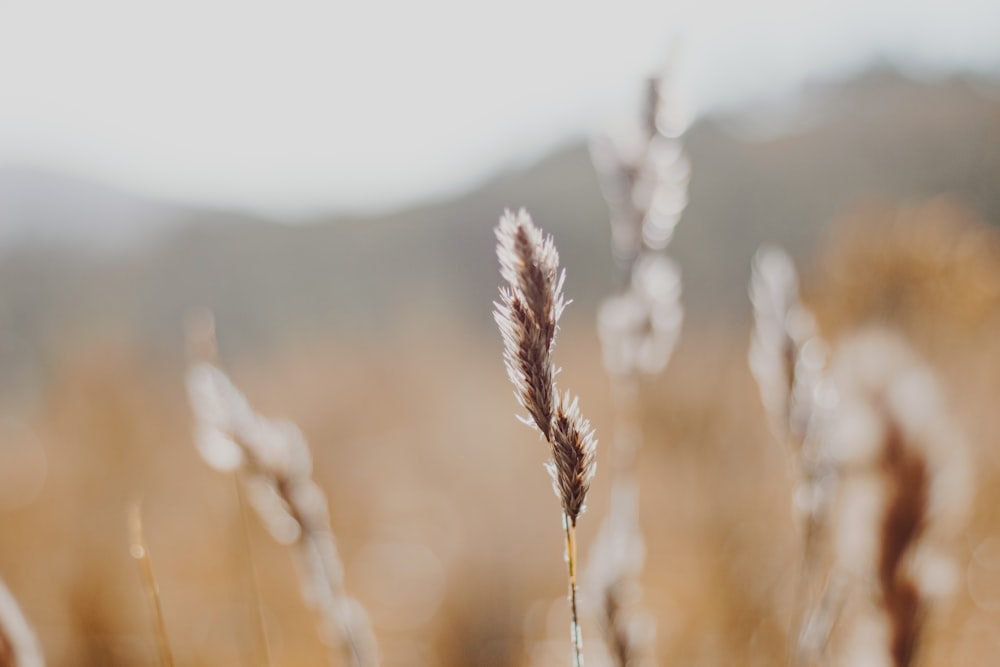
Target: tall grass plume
(645, 186)
(788, 361)
(528, 314)
(275, 465)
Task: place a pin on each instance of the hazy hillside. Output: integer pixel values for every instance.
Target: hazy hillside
(49, 210)
(877, 137)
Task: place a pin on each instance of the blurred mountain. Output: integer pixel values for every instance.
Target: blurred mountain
(46, 210)
(881, 136)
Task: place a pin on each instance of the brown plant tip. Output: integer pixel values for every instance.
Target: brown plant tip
(526, 355)
(528, 313)
(529, 262)
(902, 527)
(573, 457)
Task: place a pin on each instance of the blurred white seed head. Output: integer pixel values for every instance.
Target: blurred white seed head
(674, 108)
(645, 173)
(879, 380)
(867, 643)
(904, 490)
(787, 356)
(277, 466)
(640, 328)
(221, 411)
(273, 510)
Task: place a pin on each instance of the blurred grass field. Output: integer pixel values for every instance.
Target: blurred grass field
(444, 516)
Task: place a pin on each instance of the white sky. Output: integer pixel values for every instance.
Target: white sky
(295, 106)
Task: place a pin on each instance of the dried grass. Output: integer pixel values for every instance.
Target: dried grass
(528, 314)
(275, 466)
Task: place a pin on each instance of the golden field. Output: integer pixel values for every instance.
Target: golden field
(443, 514)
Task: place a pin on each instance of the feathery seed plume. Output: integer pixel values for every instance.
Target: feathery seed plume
(528, 314)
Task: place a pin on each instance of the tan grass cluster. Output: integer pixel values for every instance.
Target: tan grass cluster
(922, 268)
(275, 466)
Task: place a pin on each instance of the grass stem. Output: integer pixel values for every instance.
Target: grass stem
(140, 552)
(576, 636)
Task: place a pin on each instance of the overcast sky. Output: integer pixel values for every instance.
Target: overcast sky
(295, 106)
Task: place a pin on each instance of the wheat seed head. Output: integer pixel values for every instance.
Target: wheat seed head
(527, 314)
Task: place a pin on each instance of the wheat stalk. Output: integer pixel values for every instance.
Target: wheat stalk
(616, 561)
(787, 359)
(140, 552)
(906, 485)
(646, 192)
(261, 649)
(275, 466)
(786, 353)
(18, 644)
(527, 314)
(645, 180)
